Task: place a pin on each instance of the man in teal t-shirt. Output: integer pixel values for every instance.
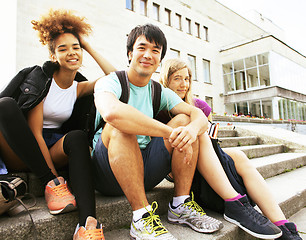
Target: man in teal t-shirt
(135, 152)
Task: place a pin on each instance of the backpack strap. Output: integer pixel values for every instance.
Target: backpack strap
(125, 93)
(156, 95)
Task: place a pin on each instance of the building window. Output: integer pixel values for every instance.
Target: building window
(209, 101)
(168, 16)
(247, 73)
(197, 30)
(188, 25)
(178, 21)
(205, 34)
(129, 4)
(143, 7)
(172, 53)
(156, 11)
(206, 71)
(192, 64)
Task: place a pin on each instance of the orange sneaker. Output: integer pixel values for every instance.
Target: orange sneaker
(90, 231)
(58, 197)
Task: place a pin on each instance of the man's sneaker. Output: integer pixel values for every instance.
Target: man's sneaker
(241, 213)
(92, 230)
(289, 232)
(191, 214)
(149, 227)
(58, 197)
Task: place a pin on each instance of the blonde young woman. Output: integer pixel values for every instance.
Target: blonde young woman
(176, 75)
(40, 131)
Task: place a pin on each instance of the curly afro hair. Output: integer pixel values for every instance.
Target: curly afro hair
(57, 22)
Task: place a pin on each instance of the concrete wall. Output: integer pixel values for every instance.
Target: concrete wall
(287, 74)
(112, 22)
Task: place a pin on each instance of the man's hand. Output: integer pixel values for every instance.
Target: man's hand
(182, 138)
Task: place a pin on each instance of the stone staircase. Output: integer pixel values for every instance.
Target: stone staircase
(280, 161)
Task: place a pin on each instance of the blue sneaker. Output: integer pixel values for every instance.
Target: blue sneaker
(241, 213)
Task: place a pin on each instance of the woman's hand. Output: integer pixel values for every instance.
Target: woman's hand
(84, 44)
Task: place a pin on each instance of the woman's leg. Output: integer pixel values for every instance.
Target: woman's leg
(75, 147)
(211, 169)
(256, 186)
(237, 208)
(18, 145)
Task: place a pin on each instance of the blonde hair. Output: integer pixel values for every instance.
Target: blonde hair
(57, 22)
(168, 68)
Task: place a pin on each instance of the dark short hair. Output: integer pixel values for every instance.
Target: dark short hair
(152, 33)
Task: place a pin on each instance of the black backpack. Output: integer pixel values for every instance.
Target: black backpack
(125, 94)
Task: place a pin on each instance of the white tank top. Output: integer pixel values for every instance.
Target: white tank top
(58, 105)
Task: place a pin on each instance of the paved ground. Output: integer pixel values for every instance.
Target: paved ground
(299, 128)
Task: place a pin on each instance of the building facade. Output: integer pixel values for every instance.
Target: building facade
(238, 67)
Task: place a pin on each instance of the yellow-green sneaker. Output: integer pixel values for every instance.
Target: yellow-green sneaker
(150, 227)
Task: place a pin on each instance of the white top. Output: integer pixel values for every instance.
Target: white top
(58, 105)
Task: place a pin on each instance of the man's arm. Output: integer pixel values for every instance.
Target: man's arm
(127, 118)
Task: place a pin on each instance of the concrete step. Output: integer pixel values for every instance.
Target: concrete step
(227, 133)
(238, 141)
(256, 151)
(300, 219)
(289, 190)
(273, 165)
(296, 195)
(115, 213)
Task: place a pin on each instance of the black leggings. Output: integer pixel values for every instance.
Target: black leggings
(20, 138)
(76, 147)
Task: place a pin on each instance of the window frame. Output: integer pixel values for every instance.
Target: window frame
(157, 7)
(145, 7)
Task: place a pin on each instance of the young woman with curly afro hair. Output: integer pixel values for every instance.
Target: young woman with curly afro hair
(36, 140)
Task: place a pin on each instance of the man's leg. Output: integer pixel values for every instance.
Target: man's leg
(183, 171)
(126, 163)
(183, 209)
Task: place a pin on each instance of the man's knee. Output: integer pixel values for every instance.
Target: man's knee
(110, 133)
(179, 120)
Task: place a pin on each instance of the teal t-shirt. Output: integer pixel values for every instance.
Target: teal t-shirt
(140, 98)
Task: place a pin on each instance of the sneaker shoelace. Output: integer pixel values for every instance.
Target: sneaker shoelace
(153, 221)
(95, 234)
(259, 218)
(61, 190)
(194, 206)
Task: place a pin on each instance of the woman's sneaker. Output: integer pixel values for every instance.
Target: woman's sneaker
(191, 214)
(92, 230)
(241, 213)
(58, 197)
(149, 227)
(289, 232)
